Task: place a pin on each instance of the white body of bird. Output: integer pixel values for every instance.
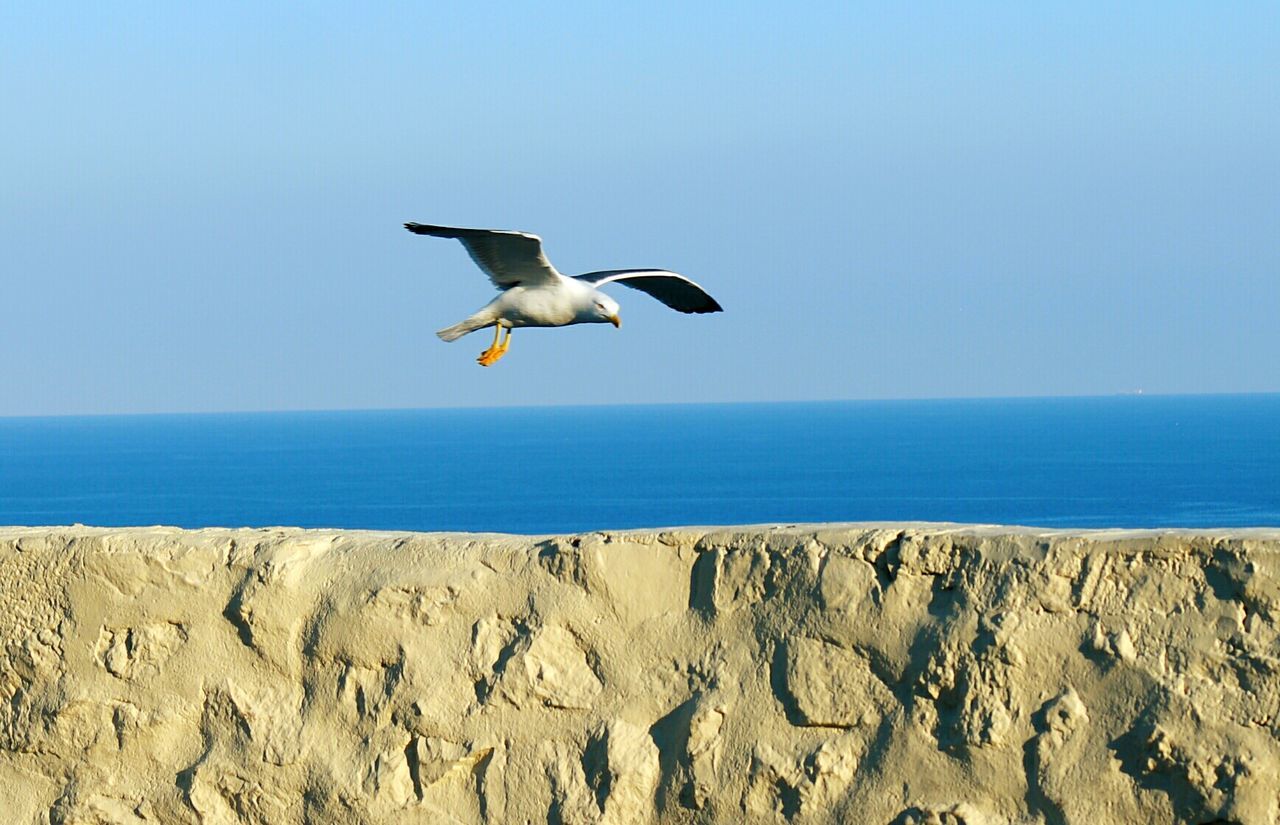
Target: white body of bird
(557, 305)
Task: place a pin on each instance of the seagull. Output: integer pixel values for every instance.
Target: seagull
(534, 294)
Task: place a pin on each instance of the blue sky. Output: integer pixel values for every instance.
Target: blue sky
(201, 207)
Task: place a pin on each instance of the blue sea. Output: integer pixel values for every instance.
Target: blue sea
(1128, 461)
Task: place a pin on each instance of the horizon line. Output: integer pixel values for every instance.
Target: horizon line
(1135, 394)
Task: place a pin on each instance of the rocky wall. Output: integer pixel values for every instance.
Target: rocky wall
(842, 673)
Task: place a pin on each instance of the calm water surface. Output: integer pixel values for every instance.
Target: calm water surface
(1195, 461)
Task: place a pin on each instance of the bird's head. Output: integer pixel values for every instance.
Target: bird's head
(605, 309)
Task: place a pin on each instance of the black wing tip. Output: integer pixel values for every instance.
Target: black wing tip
(437, 231)
(457, 232)
(705, 308)
(711, 306)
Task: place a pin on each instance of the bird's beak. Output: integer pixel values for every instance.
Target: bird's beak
(616, 321)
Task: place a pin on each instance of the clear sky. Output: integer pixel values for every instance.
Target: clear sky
(201, 204)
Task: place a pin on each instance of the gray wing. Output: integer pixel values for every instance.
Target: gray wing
(672, 289)
(508, 258)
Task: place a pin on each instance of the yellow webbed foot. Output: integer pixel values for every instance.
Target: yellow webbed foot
(490, 356)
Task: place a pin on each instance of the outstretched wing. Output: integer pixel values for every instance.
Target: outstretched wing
(508, 258)
(672, 289)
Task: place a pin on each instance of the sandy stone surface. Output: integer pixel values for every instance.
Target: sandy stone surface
(823, 673)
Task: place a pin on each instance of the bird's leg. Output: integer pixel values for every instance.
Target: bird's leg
(495, 350)
(491, 354)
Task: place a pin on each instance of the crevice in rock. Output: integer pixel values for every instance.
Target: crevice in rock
(415, 766)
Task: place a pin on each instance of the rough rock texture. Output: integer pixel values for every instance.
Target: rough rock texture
(868, 674)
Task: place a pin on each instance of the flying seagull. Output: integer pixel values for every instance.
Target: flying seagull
(534, 294)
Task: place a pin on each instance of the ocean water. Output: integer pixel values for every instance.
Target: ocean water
(1136, 461)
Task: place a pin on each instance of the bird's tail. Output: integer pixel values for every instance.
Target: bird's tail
(478, 321)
